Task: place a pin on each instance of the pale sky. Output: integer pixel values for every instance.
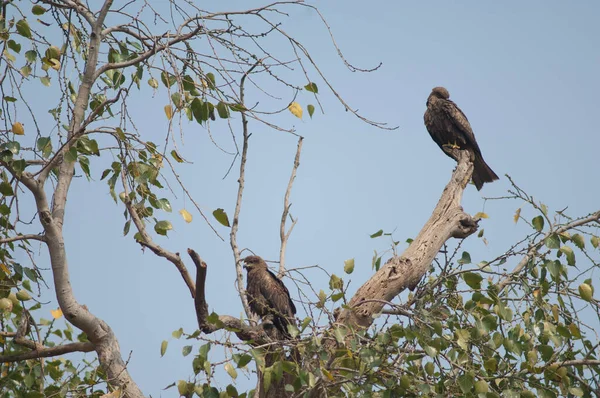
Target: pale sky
(524, 73)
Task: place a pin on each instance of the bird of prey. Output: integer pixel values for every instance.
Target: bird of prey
(267, 295)
(450, 128)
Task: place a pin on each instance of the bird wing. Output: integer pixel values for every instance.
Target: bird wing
(460, 122)
(277, 295)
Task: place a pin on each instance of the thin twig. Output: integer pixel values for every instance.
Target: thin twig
(238, 204)
(286, 210)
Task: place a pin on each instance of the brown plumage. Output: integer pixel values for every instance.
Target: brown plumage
(267, 295)
(450, 128)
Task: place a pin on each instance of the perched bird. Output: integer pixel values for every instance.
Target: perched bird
(267, 295)
(450, 128)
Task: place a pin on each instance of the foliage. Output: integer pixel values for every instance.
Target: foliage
(521, 324)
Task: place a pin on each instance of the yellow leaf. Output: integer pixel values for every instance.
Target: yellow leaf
(327, 374)
(169, 111)
(517, 215)
(186, 215)
(18, 129)
(57, 313)
(159, 160)
(4, 268)
(555, 312)
(115, 394)
(296, 109)
(55, 63)
(480, 215)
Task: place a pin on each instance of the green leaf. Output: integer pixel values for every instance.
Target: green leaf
(242, 360)
(126, 227)
(45, 80)
(165, 205)
(167, 79)
(185, 351)
(567, 251)
(231, 370)
(44, 145)
(176, 156)
(223, 110)
(335, 282)
(162, 227)
(311, 109)
(538, 223)
(237, 107)
(177, 100)
(322, 299)
(163, 347)
(23, 28)
(71, 155)
(13, 45)
(312, 87)
(211, 81)
(349, 266)
(554, 267)
(552, 241)
(490, 365)
(26, 71)
(6, 189)
(84, 163)
(14, 147)
(579, 241)
(431, 351)
(465, 382)
(595, 241)
(38, 10)
(221, 217)
(377, 234)
(465, 259)
(586, 292)
(30, 55)
(177, 333)
(472, 279)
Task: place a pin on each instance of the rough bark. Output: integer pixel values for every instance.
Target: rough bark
(448, 220)
(98, 332)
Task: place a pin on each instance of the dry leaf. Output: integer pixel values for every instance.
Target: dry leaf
(4, 268)
(169, 111)
(296, 109)
(186, 215)
(517, 215)
(114, 394)
(57, 313)
(18, 129)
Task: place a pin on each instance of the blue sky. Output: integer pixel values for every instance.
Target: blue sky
(525, 74)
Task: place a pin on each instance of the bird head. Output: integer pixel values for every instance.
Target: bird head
(440, 92)
(252, 262)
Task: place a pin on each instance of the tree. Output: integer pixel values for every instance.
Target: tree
(518, 333)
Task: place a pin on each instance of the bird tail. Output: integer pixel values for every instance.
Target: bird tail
(482, 173)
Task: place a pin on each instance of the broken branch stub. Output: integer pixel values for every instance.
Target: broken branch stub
(448, 220)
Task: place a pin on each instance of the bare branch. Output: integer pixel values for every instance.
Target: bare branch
(46, 352)
(286, 210)
(448, 220)
(238, 203)
(23, 237)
